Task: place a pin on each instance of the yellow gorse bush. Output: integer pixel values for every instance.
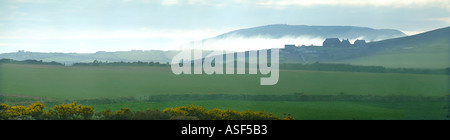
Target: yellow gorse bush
(73, 111)
(123, 114)
(3, 106)
(16, 111)
(218, 114)
(21, 112)
(36, 109)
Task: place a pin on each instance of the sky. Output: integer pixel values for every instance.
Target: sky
(87, 26)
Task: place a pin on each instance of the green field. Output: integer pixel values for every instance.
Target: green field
(93, 82)
(77, 83)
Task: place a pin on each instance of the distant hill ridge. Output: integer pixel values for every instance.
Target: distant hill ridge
(284, 30)
(426, 50)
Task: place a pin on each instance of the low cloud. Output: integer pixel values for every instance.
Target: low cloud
(240, 44)
(284, 3)
(442, 19)
(143, 33)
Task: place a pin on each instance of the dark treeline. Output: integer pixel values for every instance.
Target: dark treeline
(334, 67)
(121, 63)
(351, 68)
(244, 97)
(311, 67)
(293, 97)
(236, 97)
(10, 61)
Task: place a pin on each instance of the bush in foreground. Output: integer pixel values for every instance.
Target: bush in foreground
(36, 111)
(74, 111)
(218, 114)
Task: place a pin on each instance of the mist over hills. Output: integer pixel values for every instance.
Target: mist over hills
(283, 30)
(70, 58)
(426, 50)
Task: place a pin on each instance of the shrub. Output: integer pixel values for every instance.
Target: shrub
(175, 112)
(183, 118)
(71, 111)
(15, 113)
(36, 110)
(123, 114)
(105, 115)
(217, 114)
(289, 117)
(3, 107)
(21, 112)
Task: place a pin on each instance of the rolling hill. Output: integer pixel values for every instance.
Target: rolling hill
(283, 30)
(426, 50)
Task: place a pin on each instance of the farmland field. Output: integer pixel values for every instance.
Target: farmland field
(109, 81)
(33, 82)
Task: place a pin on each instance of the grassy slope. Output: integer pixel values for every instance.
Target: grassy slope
(427, 50)
(433, 55)
(92, 82)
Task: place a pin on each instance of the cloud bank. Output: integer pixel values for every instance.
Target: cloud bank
(240, 44)
(284, 3)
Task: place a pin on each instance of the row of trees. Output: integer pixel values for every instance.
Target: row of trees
(74, 111)
(333, 67)
(11, 61)
(352, 68)
(121, 63)
(313, 67)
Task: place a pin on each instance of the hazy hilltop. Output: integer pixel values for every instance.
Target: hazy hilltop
(283, 30)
